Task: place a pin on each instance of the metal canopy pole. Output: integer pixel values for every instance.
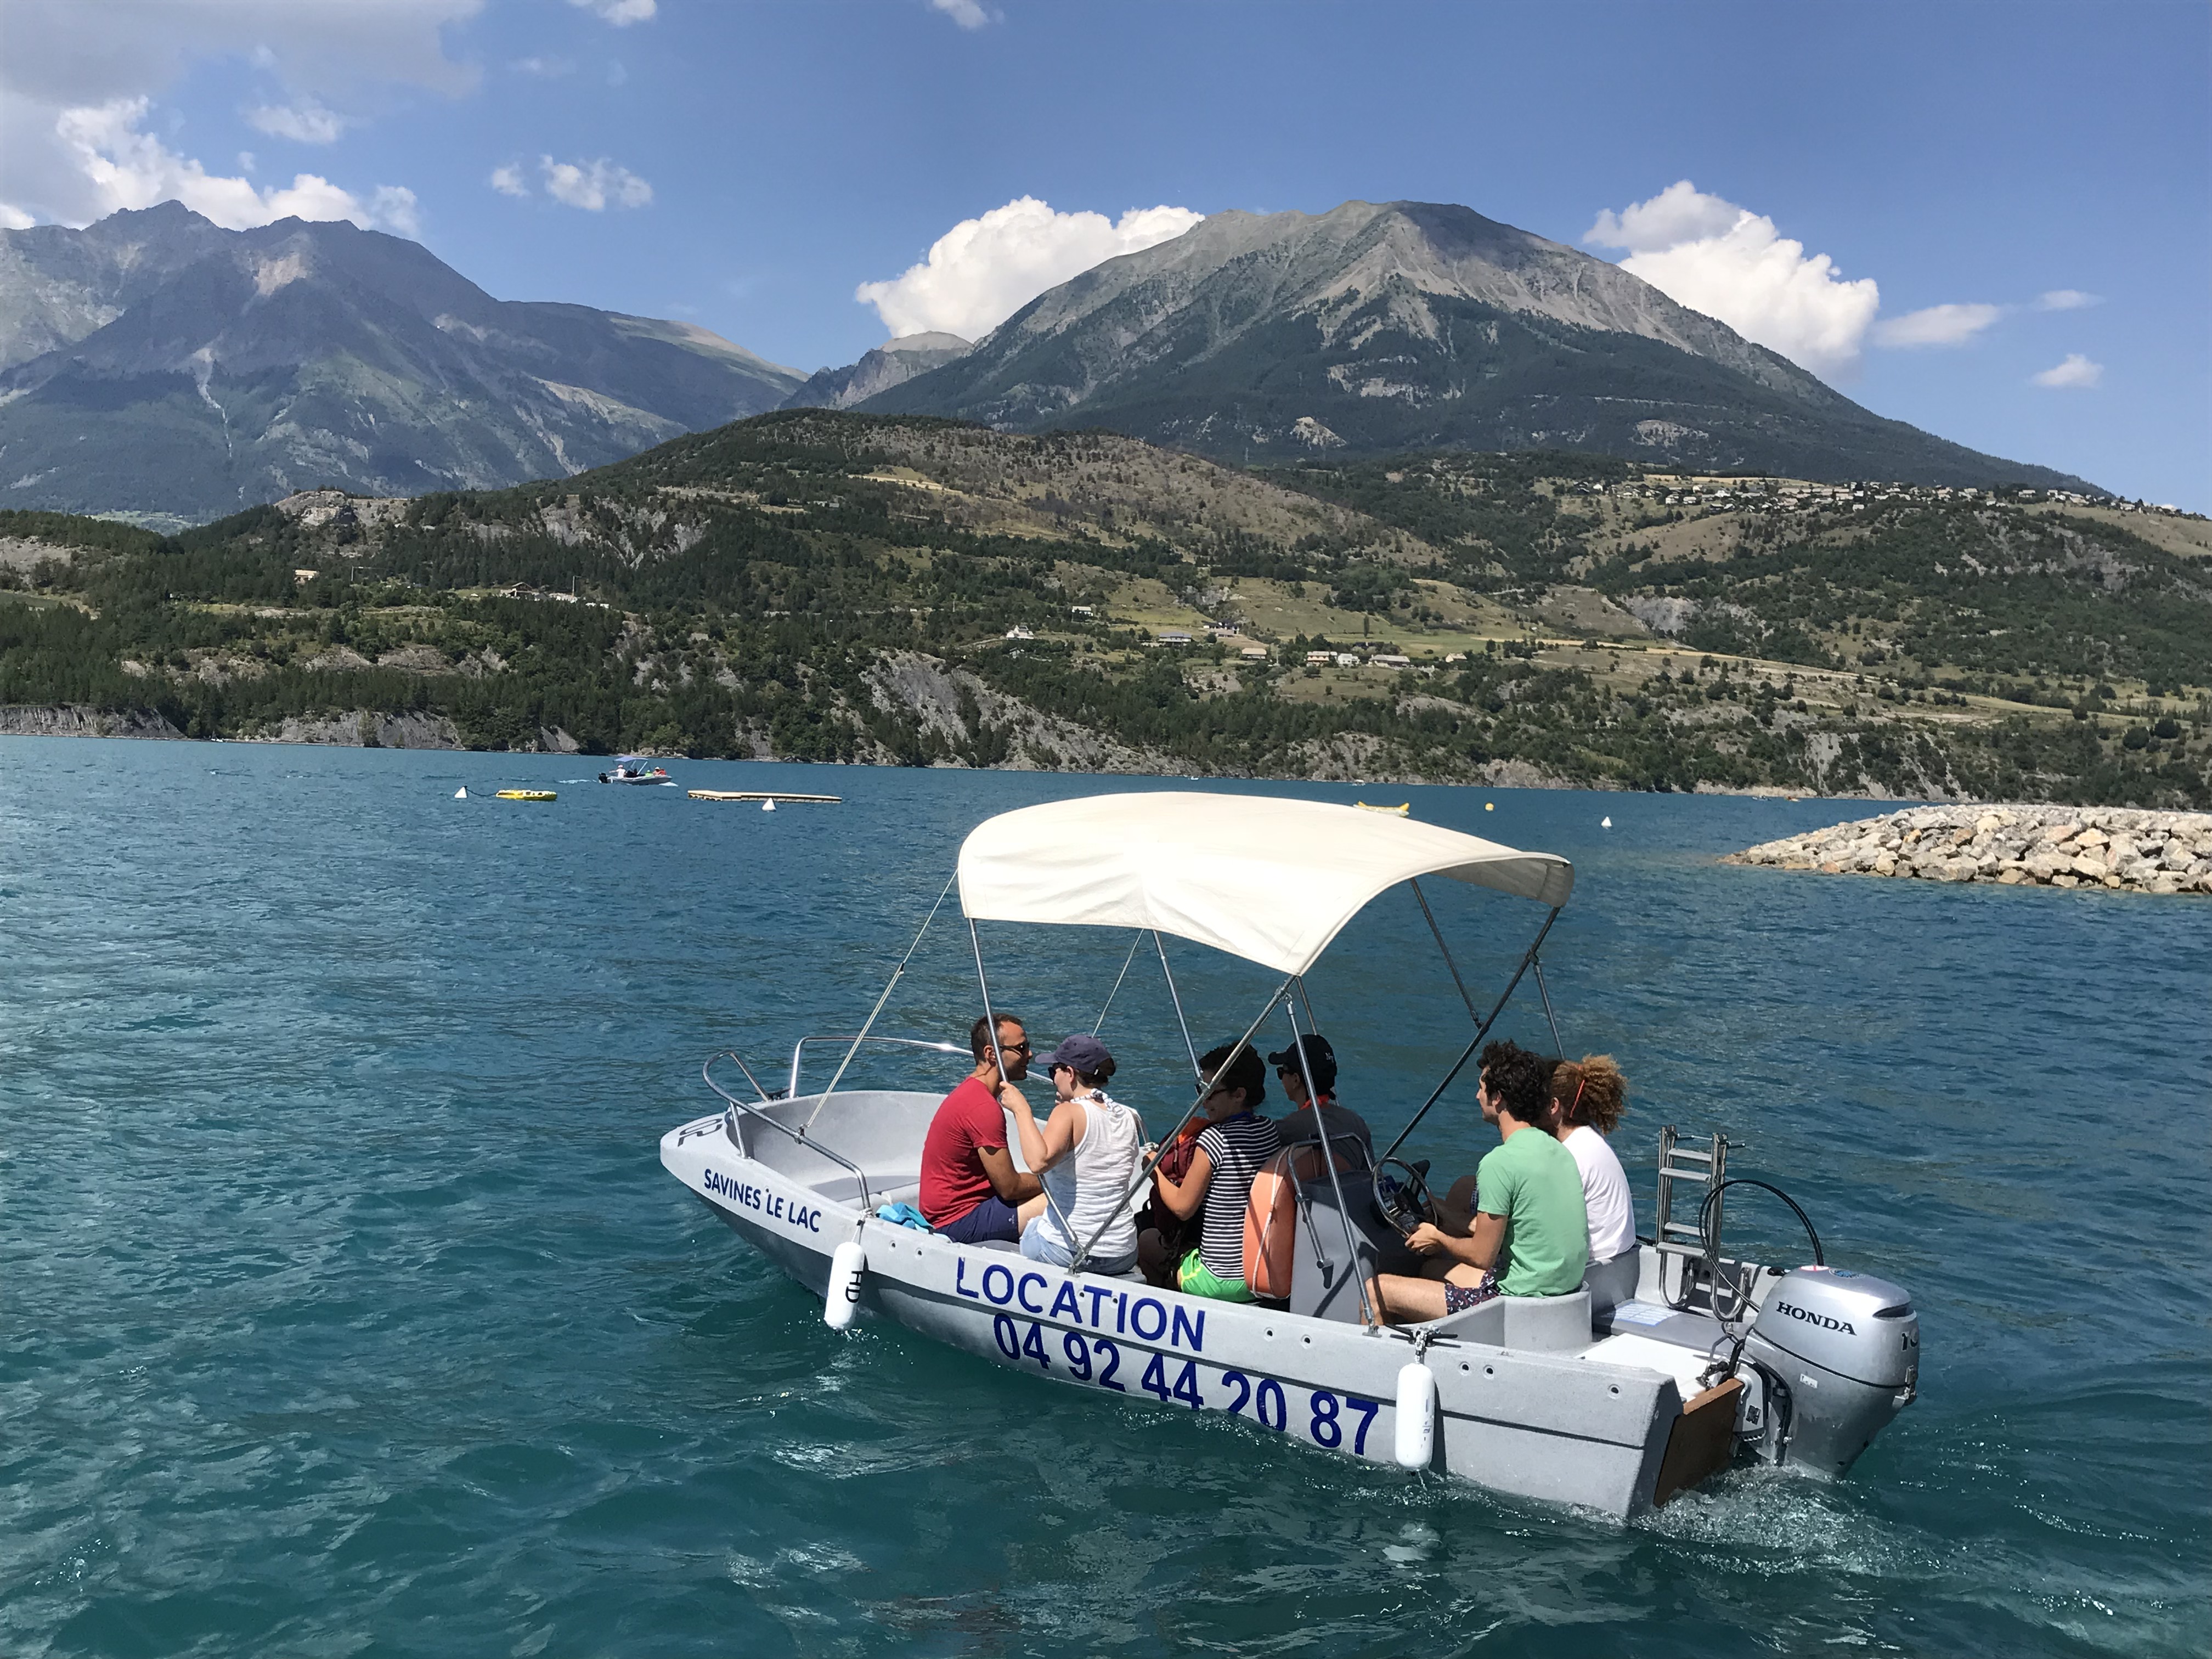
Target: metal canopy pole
(1558, 1047)
(1099, 1024)
(1453, 966)
(1481, 1032)
(1206, 1086)
(839, 1075)
(1175, 996)
(1328, 1152)
(990, 1021)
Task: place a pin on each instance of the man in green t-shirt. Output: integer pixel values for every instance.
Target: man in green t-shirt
(1530, 1235)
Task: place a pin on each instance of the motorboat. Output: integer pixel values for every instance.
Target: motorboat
(1672, 1363)
(633, 769)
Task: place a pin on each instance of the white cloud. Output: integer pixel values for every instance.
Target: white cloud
(66, 56)
(592, 185)
(983, 270)
(127, 168)
(969, 14)
(1734, 264)
(507, 181)
(2077, 372)
(620, 13)
(14, 218)
(304, 123)
(2066, 298)
(1936, 325)
(549, 69)
(393, 208)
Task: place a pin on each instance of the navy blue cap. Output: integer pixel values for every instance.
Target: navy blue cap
(1085, 1054)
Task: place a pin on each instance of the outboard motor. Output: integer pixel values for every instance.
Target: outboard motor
(1840, 1355)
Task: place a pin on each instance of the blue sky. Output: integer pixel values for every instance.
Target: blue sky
(2045, 170)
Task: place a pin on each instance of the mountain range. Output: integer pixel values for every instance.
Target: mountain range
(156, 365)
(1408, 327)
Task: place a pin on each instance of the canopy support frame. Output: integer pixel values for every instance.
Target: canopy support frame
(1176, 997)
(1367, 1312)
(1482, 1030)
(1206, 1087)
(1135, 945)
(869, 1025)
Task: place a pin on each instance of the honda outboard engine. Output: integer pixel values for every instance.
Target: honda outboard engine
(1840, 1353)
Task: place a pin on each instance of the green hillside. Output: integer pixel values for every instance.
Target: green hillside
(829, 587)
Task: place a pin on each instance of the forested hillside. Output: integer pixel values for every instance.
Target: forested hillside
(827, 587)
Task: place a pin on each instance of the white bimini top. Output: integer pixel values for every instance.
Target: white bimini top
(1262, 877)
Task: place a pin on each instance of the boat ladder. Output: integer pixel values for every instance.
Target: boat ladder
(1707, 1168)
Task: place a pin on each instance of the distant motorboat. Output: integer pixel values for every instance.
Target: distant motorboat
(632, 768)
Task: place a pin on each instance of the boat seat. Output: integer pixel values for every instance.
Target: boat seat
(1613, 1282)
(1547, 1322)
(1544, 1324)
(1485, 1322)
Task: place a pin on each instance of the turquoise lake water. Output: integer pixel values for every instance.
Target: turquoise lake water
(345, 1308)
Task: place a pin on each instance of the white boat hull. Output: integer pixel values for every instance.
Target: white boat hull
(1554, 1425)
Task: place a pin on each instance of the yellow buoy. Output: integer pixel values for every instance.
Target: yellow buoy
(527, 794)
(1490, 806)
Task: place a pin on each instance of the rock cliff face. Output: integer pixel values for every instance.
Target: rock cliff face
(75, 720)
(155, 364)
(2116, 848)
(891, 364)
(1413, 325)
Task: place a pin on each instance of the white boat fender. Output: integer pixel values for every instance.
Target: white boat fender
(848, 1263)
(1417, 1415)
(768, 806)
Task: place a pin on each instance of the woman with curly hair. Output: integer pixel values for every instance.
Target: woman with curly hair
(1587, 1096)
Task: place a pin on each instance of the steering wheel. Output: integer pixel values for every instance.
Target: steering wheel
(1404, 1201)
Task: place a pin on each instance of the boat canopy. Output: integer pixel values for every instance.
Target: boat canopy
(1267, 879)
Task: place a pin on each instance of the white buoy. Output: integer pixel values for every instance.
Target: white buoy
(1605, 823)
(461, 794)
(839, 1303)
(1417, 1415)
(768, 806)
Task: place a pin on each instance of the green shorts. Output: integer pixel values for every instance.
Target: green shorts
(1195, 1278)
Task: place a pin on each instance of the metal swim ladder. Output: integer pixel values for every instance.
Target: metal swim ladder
(1687, 1239)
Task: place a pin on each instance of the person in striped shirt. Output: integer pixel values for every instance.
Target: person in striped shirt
(1235, 1145)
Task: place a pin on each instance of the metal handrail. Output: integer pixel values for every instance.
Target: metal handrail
(798, 1048)
(706, 1072)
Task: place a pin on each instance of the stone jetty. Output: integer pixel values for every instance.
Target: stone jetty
(2122, 847)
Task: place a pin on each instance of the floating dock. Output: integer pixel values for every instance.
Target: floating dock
(764, 795)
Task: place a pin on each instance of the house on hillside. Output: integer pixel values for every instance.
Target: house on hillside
(1254, 653)
(1171, 636)
(1320, 659)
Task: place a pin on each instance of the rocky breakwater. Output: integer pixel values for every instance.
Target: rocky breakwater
(2120, 848)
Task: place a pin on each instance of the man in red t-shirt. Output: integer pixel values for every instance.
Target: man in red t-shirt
(970, 1189)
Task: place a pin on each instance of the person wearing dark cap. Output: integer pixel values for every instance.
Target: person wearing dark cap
(1086, 1154)
(1311, 1113)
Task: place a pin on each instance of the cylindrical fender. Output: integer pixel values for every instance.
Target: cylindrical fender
(1417, 1415)
(848, 1263)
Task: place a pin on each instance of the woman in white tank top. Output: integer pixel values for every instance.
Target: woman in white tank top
(1590, 1094)
(1086, 1157)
